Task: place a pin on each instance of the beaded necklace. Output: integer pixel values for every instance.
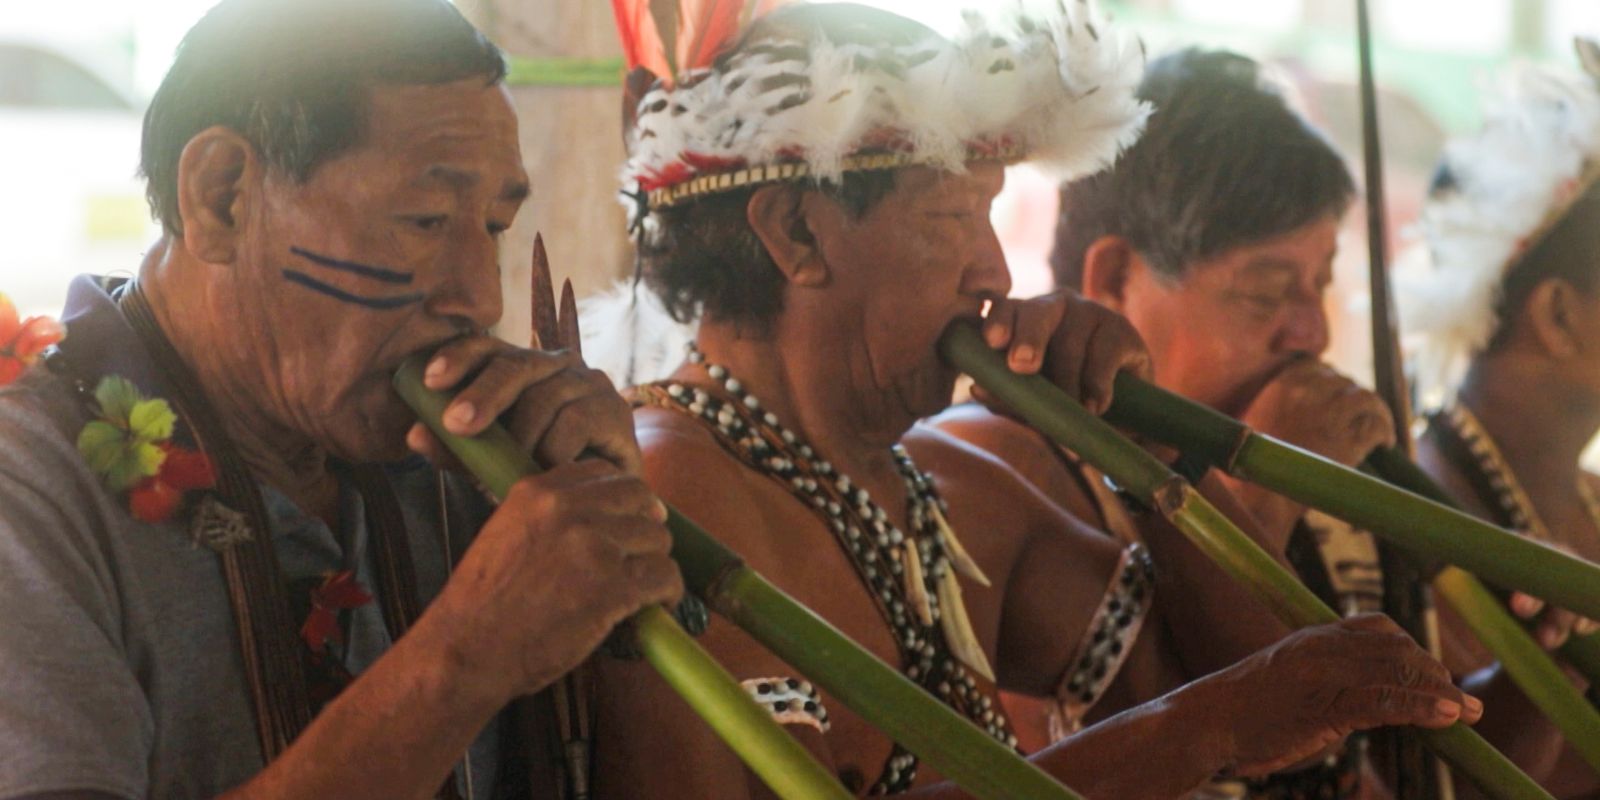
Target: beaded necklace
(1507, 491)
(911, 576)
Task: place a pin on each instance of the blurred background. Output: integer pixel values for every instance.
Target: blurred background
(74, 79)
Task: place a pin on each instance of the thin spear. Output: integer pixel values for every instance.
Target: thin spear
(1056, 415)
(1405, 593)
(859, 680)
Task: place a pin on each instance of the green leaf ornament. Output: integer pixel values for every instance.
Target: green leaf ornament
(122, 446)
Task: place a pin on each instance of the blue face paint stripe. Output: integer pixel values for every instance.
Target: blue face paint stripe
(379, 303)
(376, 273)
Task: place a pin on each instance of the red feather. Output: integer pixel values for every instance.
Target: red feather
(641, 42)
(708, 27)
(704, 29)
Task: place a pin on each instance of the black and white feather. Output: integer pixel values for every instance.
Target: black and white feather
(1493, 194)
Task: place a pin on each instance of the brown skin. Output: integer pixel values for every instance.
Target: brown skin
(1538, 395)
(849, 363)
(298, 377)
(1260, 308)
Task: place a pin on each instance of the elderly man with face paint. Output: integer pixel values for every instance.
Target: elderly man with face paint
(223, 571)
(817, 195)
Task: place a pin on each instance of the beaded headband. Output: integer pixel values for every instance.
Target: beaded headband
(1054, 86)
(1496, 194)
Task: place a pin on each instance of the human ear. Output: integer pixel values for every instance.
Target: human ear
(214, 174)
(780, 216)
(1552, 312)
(1107, 264)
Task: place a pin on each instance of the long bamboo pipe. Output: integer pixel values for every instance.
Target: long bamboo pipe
(861, 681)
(1065, 421)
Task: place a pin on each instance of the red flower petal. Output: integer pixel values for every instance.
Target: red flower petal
(185, 469)
(37, 333)
(8, 321)
(340, 591)
(10, 368)
(153, 500)
(321, 627)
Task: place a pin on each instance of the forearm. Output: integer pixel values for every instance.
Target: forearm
(396, 732)
(1176, 745)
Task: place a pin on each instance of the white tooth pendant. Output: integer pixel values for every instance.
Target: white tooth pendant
(952, 547)
(957, 626)
(916, 587)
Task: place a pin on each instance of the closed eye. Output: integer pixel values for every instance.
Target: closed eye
(427, 222)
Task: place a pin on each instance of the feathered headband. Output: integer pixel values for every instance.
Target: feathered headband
(1496, 194)
(1056, 87)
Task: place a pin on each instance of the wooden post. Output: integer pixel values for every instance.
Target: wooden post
(572, 147)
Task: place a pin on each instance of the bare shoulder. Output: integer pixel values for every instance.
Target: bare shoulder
(688, 468)
(1021, 451)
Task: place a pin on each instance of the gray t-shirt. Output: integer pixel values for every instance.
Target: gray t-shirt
(120, 670)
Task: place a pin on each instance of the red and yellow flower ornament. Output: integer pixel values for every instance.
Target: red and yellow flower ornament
(22, 340)
(129, 445)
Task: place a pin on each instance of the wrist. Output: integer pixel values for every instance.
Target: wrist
(1207, 708)
(455, 665)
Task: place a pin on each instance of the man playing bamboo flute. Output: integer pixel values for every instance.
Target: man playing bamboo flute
(211, 526)
(1215, 234)
(819, 195)
(1503, 295)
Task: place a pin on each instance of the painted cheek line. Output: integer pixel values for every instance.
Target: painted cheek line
(379, 303)
(376, 273)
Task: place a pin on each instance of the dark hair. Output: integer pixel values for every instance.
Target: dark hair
(291, 75)
(1567, 252)
(702, 257)
(1223, 162)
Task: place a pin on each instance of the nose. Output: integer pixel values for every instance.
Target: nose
(1305, 329)
(470, 288)
(986, 274)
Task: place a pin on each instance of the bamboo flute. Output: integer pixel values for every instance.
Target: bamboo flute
(862, 682)
(1230, 445)
(1582, 652)
(1066, 422)
(1412, 513)
(1432, 531)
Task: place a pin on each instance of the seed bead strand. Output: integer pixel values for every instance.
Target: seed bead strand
(875, 545)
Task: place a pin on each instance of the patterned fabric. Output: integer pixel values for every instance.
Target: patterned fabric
(790, 701)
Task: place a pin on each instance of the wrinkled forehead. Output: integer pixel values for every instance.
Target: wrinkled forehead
(465, 119)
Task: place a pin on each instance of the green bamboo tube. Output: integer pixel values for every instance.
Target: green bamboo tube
(781, 762)
(859, 680)
(1582, 652)
(1224, 441)
(1065, 421)
(1534, 673)
(1427, 529)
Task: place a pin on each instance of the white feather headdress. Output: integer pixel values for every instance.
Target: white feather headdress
(1495, 194)
(1055, 86)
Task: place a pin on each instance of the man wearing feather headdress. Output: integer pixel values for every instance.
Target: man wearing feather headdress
(1502, 300)
(817, 193)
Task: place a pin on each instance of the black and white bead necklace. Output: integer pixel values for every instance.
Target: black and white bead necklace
(911, 576)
